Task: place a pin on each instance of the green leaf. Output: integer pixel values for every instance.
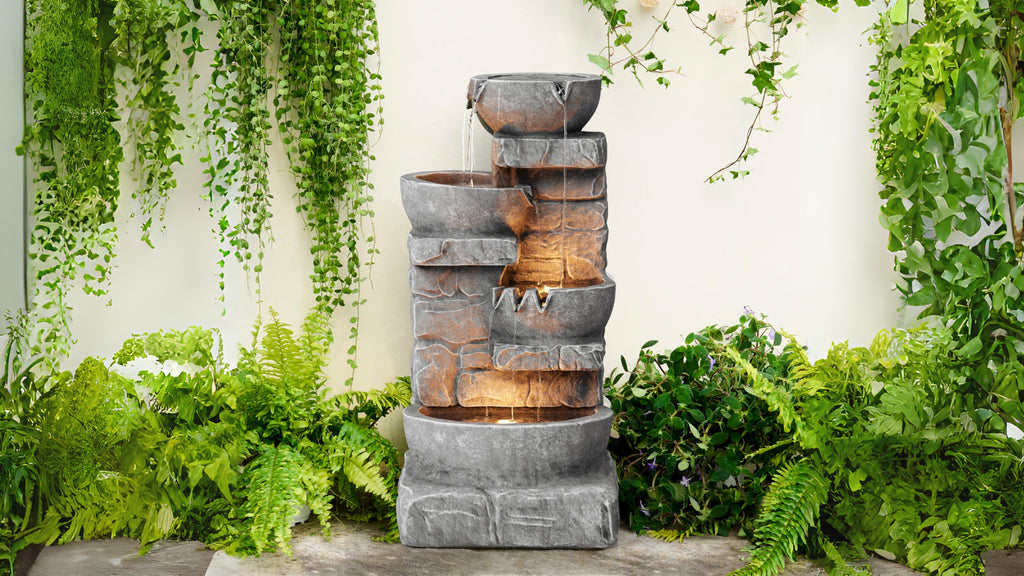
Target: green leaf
(600, 61)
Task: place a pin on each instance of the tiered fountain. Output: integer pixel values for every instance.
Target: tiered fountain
(507, 432)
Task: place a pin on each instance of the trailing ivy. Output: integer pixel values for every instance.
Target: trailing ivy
(75, 151)
(81, 57)
(946, 97)
(326, 102)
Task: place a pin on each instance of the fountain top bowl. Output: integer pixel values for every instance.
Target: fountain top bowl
(534, 104)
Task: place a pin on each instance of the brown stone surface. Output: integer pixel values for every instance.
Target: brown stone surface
(490, 388)
(571, 357)
(475, 357)
(433, 375)
(577, 216)
(573, 389)
(589, 246)
(454, 321)
(533, 389)
(535, 271)
(555, 184)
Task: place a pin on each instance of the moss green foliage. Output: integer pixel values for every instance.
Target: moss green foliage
(685, 423)
(947, 95)
(915, 463)
(325, 99)
(318, 85)
(196, 448)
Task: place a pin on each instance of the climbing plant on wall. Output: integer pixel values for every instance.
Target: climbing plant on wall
(766, 25)
(946, 98)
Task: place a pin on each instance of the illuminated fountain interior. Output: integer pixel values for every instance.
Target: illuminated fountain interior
(507, 432)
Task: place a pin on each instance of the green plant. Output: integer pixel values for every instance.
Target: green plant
(947, 95)
(913, 462)
(685, 423)
(762, 18)
(326, 101)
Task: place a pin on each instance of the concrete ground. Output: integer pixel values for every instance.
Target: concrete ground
(351, 551)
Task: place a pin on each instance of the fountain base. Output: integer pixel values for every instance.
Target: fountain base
(547, 484)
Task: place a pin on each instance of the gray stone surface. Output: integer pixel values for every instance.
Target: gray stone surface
(488, 456)
(352, 551)
(578, 512)
(120, 557)
(445, 205)
(567, 357)
(584, 150)
(533, 389)
(568, 315)
(1004, 562)
(536, 103)
(499, 251)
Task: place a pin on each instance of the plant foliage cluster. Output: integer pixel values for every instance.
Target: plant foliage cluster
(195, 448)
(947, 95)
(685, 424)
(893, 449)
(101, 80)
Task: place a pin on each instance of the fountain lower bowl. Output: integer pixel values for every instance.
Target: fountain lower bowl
(454, 451)
(463, 205)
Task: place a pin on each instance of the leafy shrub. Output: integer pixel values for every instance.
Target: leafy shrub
(685, 424)
(917, 465)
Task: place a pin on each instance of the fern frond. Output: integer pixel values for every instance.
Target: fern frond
(788, 511)
(779, 400)
(666, 535)
(280, 355)
(369, 406)
(836, 564)
(273, 491)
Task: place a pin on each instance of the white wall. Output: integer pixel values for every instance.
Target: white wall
(798, 240)
(12, 196)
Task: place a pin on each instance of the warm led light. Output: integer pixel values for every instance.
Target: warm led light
(542, 291)
(506, 421)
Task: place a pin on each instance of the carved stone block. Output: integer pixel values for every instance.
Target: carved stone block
(491, 388)
(585, 245)
(433, 375)
(475, 357)
(499, 251)
(589, 216)
(569, 357)
(455, 321)
(556, 184)
(584, 150)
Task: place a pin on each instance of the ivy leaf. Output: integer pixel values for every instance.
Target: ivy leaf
(600, 61)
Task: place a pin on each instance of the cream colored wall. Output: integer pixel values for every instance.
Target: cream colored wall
(12, 196)
(798, 240)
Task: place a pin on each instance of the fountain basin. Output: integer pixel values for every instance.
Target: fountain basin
(566, 316)
(534, 104)
(449, 205)
(455, 452)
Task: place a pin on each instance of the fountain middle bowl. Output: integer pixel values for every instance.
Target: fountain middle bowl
(567, 315)
(463, 205)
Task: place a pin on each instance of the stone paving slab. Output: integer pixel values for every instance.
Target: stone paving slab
(352, 552)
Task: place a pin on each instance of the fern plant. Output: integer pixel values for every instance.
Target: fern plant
(893, 449)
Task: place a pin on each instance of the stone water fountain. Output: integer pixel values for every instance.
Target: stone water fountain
(507, 431)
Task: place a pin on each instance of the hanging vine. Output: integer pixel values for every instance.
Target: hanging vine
(326, 102)
(75, 151)
(308, 64)
(766, 24)
(946, 98)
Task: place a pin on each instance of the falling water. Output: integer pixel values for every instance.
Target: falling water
(565, 142)
(468, 158)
